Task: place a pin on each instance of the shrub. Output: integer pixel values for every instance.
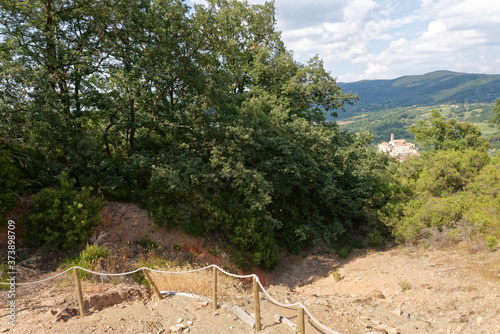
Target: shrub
(337, 275)
(88, 258)
(215, 251)
(344, 251)
(491, 242)
(152, 259)
(63, 218)
(10, 182)
(166, 216)
(375, 239)
(404, 286)
(194, 227)
(4, 275)
(148, 244)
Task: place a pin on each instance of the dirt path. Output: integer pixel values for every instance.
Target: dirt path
(395, 291)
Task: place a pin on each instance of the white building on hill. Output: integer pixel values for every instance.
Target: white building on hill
(398, 148)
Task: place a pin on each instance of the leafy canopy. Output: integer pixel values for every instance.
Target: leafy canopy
(439, 134)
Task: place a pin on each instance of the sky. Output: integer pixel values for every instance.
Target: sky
(387, 39)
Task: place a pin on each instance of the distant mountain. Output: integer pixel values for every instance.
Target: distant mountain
(440, 87)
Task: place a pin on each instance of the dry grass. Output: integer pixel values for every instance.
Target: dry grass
(200, 283)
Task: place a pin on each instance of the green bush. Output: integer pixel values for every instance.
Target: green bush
(88, 258)
(251, 240)
(166, 216)
(4, 275)
(344, 251)
(148, 244)
(375, 239)
(63, 218)
(491, 242)
(404, 286)
(10, 183)
(194, 226)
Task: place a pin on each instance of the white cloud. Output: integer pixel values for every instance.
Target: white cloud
(368, 39)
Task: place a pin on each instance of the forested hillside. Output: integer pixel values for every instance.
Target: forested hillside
(435, 88)
(202, 116)
(382, 123)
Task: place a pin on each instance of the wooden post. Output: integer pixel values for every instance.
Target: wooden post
(79, 294)
(300, 321)
(257, 304)
(153, 285)
(215, 288)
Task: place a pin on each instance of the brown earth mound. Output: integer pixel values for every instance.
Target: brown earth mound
(407, 290)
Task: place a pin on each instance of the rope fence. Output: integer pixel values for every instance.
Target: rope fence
(301, 309)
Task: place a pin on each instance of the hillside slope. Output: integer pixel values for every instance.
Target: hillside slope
(405, 290)
(428, 89)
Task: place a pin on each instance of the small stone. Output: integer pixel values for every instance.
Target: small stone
(177, 328)
(392, 330)
(479, 320)
(216, 313)
(179, 320)
(3, 330)
(201, 304)
(190, 323)
(376, 294)
(397, 311)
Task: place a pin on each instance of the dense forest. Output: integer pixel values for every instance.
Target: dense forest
(203, 117)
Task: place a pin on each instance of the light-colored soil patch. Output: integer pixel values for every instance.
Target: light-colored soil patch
(454, 290)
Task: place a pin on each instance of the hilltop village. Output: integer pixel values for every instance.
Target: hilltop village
(398, 148)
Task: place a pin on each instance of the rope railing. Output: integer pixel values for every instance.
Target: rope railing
(253, 276)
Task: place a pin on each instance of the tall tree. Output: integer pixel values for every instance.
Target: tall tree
(440, 134)
(496, 109)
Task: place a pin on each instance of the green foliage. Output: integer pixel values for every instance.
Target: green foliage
(344, 251)
(166, 216)
(496, 109)
(10, 183)
(202, 115)
(152, 259)
(148, 244)
(491, 242)
(194, 227)
(404, 286)
(439, 134)
(435, 88)
(375, 239)
(337, 275)
(87, 258)
(214, 251)
(62, 218)
(448, 172)
(251, 240)
(381, 123)
(4, 275)
(446, 191)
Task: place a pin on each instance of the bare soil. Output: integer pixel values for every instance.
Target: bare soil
(397, 290)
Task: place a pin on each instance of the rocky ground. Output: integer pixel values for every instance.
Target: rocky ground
(398, 290)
